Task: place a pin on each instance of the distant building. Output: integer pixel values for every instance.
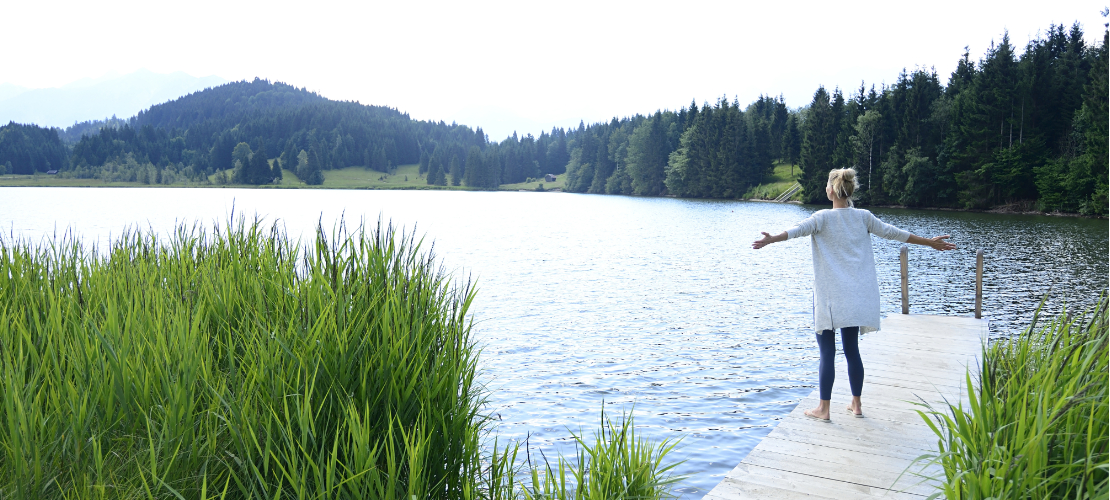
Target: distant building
(51, 172)
(549, 178)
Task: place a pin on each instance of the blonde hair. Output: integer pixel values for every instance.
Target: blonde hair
(844, 183)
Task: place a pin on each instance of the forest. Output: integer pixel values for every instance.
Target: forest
(1024, 128)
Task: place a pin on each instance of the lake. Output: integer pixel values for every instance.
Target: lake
(656, 303)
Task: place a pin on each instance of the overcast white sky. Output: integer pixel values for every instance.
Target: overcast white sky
(520, 65)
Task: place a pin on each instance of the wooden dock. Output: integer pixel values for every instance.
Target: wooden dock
(913, 358)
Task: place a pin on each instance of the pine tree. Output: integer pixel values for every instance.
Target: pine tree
(276, 172)
(818, 142)
(314, 176)
(456, 171)
(492, 163)
(475, 170)
(260, 171)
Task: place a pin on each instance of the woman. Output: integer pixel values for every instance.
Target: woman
(845, 287)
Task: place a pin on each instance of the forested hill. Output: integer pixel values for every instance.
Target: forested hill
(203, 129)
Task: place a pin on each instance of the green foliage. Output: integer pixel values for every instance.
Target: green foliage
(235, 364)
(1037, 424)
(617, 464)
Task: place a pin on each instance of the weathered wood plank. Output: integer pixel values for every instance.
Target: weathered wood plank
(913, 358)
(857, 472)
(813, 485)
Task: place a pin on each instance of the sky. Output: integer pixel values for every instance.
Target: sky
(523, 66)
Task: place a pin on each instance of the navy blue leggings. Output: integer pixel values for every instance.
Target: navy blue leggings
(826, 374)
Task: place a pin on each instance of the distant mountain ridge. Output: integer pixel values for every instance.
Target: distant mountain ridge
(97, 99)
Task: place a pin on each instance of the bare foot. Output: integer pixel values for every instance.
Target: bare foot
(817, 413)
(855, 408)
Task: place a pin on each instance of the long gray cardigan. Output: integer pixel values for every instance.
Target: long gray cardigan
(845, 286)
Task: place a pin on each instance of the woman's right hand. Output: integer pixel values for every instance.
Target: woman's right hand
(767, 239)
(940, 244)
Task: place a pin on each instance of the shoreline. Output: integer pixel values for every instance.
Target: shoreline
(1007, 209)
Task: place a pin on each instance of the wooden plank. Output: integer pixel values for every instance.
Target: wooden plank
(813, 485)
(732, 487)
(879, 410)
(864, 460)
(790, 431)
(842, 423)
(914, 358)
(859, 438)
(857, 472)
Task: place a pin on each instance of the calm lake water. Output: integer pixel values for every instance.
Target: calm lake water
(653, 302)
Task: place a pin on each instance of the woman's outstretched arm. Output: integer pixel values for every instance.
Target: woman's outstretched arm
(767, 239)
(936, 242)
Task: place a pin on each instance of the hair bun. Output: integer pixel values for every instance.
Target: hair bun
(843, 182)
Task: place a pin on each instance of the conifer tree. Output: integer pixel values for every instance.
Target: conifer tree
(475, 170)
(456, 171)
(314, 175)
(260, 172)
(818, 142)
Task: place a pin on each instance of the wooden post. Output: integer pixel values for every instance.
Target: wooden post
(904, 254)
(979, 284)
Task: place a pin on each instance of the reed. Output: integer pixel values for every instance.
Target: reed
(1037, 423)
(615, 464)
(235, 364)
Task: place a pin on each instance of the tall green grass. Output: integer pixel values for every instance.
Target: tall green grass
(236, 363)
(1037, 424)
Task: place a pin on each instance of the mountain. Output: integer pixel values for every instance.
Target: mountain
(92, 99)
(8, 91)
(230, 133)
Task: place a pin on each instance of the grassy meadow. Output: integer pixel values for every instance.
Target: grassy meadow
(1038, 422)
(773, 185)
(403, 177)
(535, 185)
(233, 363)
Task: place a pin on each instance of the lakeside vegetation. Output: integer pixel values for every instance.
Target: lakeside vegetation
(402, 177)
(1038, 423)
(236, 364)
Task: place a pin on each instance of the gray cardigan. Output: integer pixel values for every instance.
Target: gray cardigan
(845, 286)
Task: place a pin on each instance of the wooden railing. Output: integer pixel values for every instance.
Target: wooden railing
(786, 195)
(903, 256)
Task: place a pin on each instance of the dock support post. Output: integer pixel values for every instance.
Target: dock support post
(978, 285)
(904, 257)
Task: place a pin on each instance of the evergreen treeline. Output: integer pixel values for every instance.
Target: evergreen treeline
(716, 151)
(1029, 130)
(26, 149)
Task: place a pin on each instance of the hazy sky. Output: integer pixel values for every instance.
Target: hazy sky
(528, 66)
